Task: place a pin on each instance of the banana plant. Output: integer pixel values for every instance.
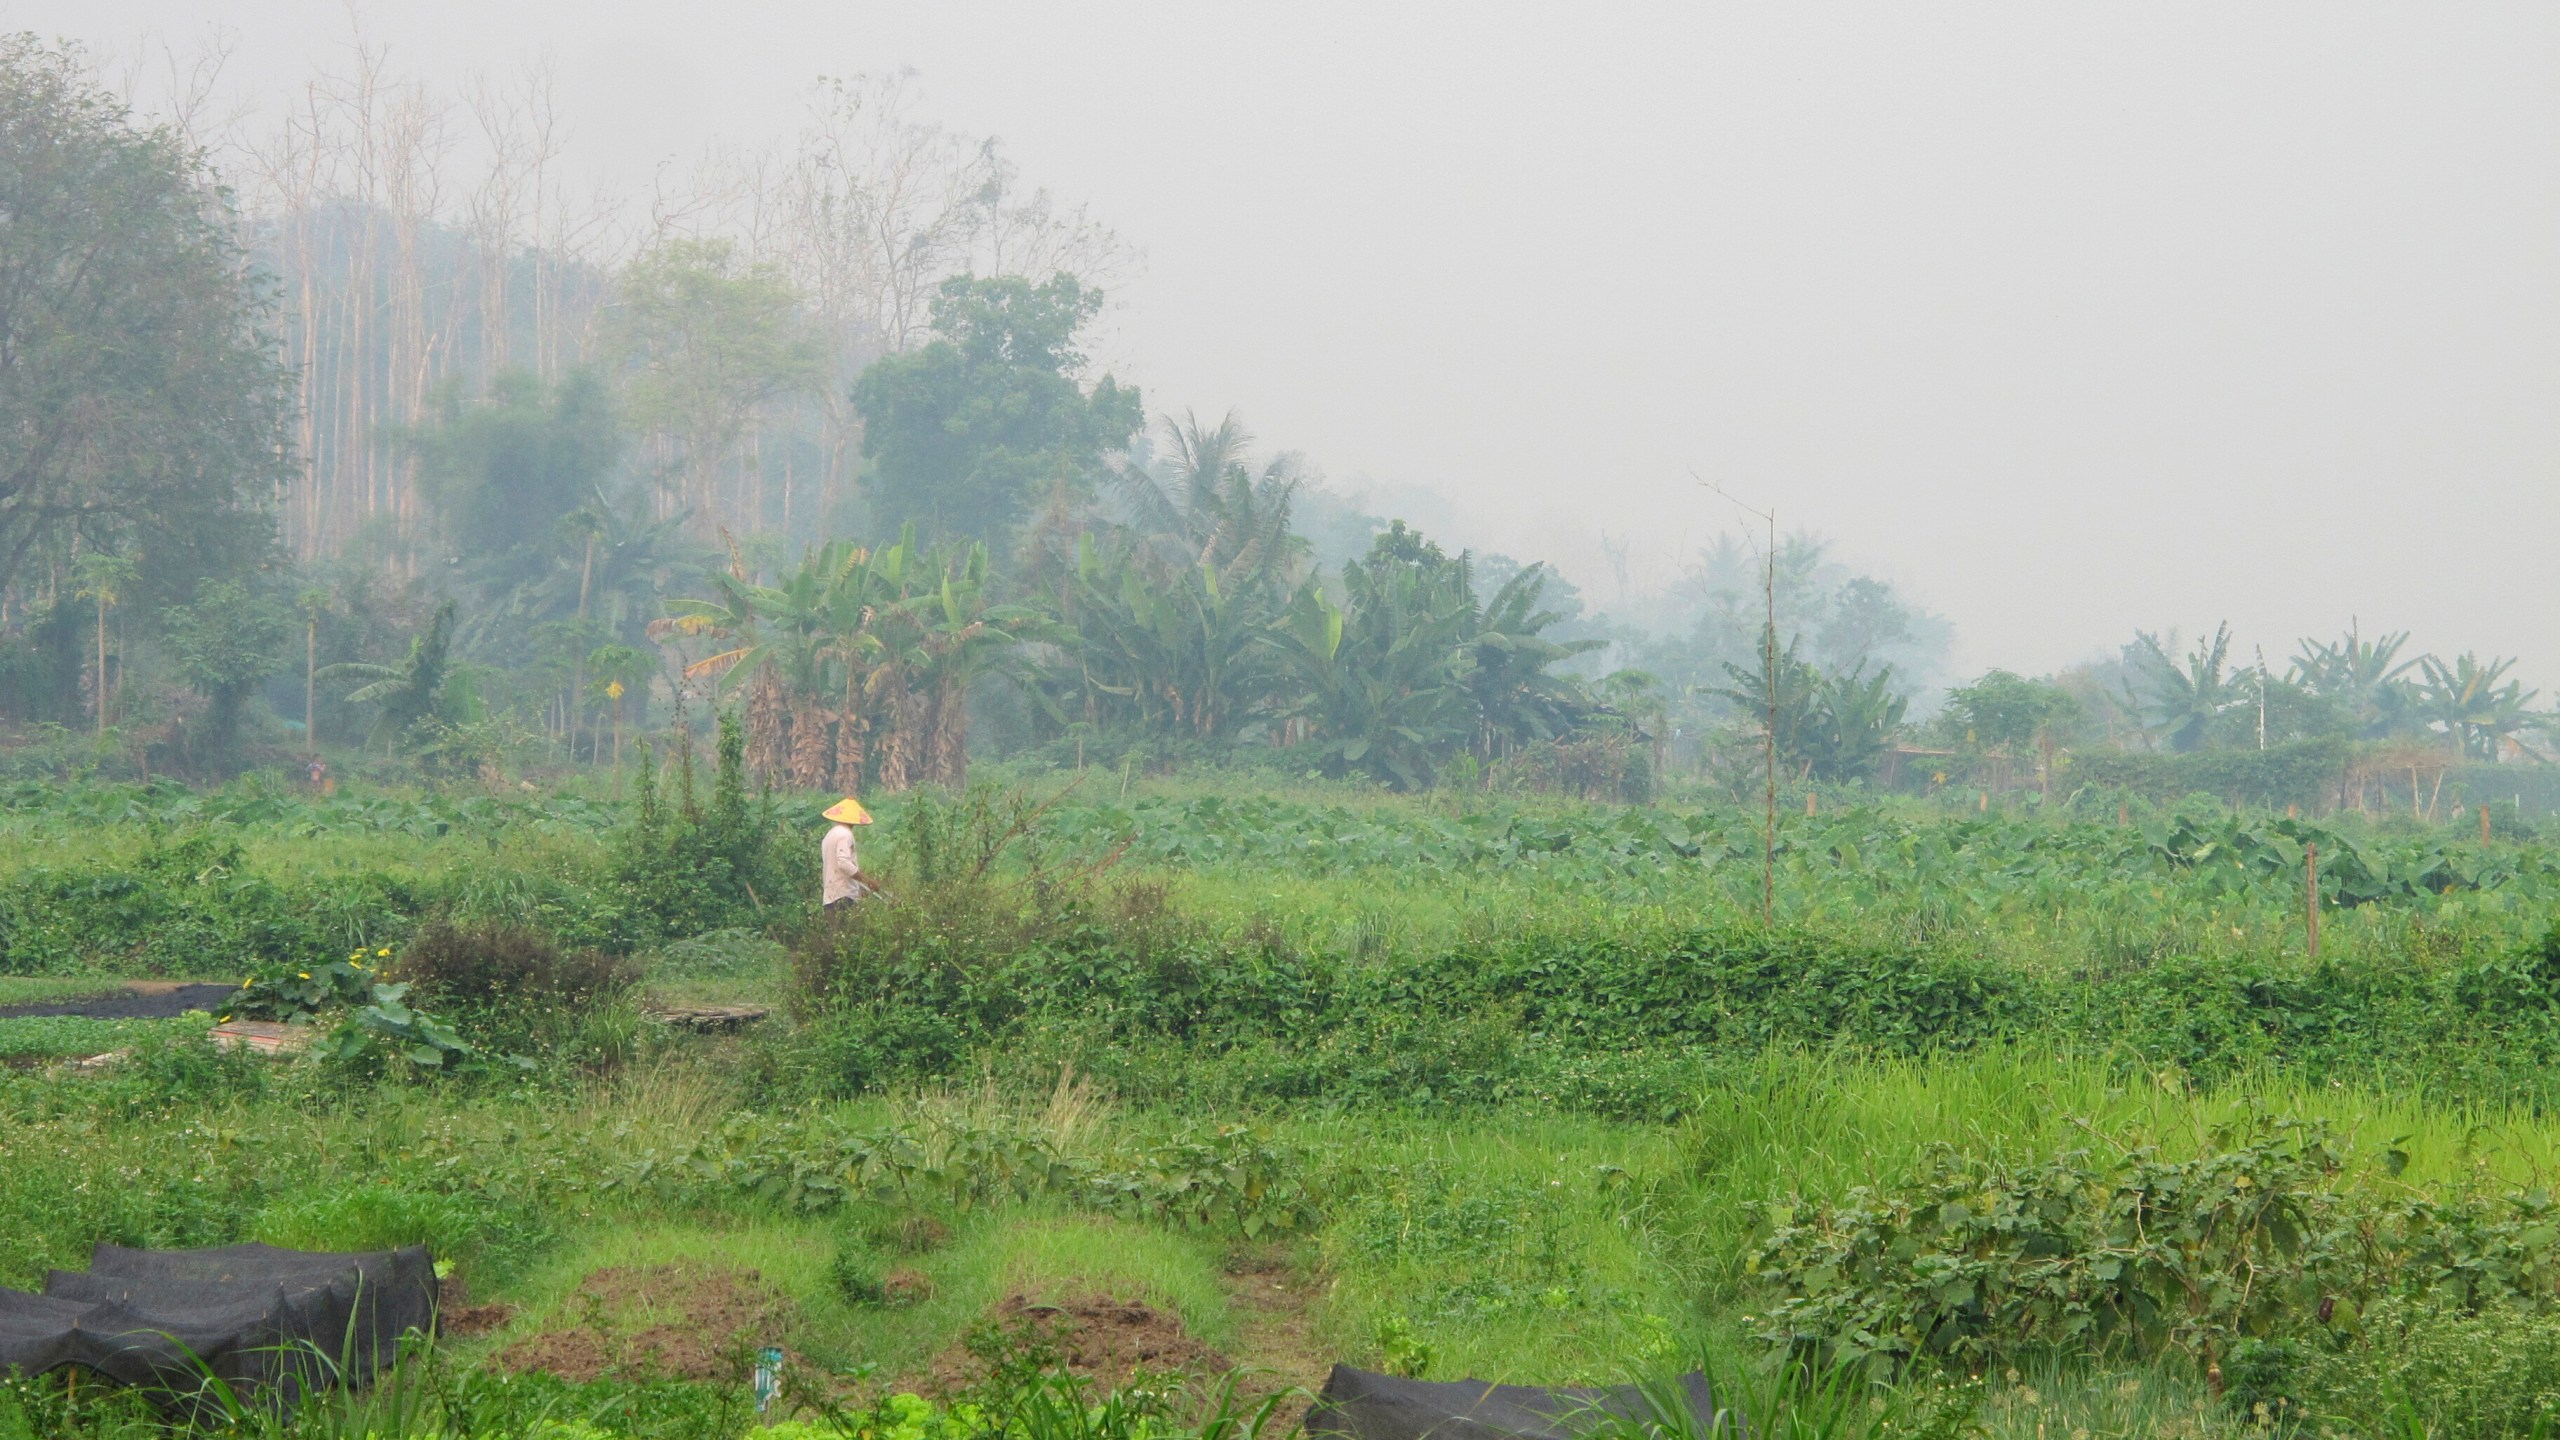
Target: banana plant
(2477, 706)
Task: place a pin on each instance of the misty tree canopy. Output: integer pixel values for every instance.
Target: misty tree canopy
(141, 410)
(964, 431)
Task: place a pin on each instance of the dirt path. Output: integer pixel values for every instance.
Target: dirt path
(1273, 1301)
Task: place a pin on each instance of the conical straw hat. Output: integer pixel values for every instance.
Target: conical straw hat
(848, 811)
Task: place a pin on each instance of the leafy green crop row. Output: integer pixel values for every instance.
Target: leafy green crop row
(1624, 1014)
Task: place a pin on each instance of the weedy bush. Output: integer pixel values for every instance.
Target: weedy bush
(1230, 1180)
(2427, 1366)
(681, 868)
(2256, 1239)
(518, 994)
(492, 965)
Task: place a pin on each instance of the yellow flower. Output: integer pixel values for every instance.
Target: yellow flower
(385, 951)
(305, 974)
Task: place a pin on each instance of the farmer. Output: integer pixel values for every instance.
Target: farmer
(839, 869)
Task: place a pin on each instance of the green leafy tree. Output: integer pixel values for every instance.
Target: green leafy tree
(952, 635)
(2008, 714)
(225, 643)
(512, 477)
(1377, 678)
(1412, 667)
(708, 338)
(962, 432)
(1208, 506)
(140, 406)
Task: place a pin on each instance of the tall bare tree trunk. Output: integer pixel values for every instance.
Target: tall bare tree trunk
(764, 727)
(951, 731)
(812, 748)
(895, 742)
(850, 755)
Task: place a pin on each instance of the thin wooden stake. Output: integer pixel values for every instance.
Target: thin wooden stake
(2311, 898)
(2484, 824)
(1809, 808)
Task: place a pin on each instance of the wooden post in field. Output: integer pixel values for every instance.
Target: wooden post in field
(2122, 820)
(2484, 824)
(2311, 898)
(1809, 811)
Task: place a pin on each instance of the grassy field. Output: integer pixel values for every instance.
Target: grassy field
(2036, 1124)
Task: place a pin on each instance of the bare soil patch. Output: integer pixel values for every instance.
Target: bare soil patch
(675, 1322)
(458, 1318)
(1101, 1339)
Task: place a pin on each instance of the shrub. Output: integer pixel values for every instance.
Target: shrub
(682, 869)
(2254, 1240)
(478, 968)
(516, 993)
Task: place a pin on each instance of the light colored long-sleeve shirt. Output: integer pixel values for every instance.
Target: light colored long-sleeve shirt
(838, 866)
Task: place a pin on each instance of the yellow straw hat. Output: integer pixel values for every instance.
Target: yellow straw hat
(848, 811)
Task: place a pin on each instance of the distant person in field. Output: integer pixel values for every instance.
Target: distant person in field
(841, 880)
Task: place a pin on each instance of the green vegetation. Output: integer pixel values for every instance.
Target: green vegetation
(1296, 941)
(2036, 1121)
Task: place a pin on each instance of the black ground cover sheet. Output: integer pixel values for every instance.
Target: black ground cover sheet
(267, 1322)
(1364, 1405)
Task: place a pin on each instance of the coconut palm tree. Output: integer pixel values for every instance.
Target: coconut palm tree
(1207, 507)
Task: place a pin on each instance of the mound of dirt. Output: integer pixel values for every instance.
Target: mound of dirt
(673, 1322)
(457, 1317)
(1104, 1340)
(145, 1000)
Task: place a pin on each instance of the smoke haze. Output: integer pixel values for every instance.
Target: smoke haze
(2069, 321)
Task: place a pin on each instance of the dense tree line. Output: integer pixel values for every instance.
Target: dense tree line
(448, 488)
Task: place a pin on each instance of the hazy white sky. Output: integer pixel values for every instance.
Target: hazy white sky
(2069, 319)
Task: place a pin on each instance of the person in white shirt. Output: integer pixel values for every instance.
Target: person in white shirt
(840, 877)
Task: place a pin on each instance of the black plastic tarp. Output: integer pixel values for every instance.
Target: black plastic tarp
(1364, 1405)
(262, 1320)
